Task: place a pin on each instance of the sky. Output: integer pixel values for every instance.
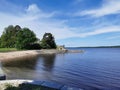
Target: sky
(74, 23)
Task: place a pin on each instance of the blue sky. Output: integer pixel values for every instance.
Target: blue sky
(72, 22)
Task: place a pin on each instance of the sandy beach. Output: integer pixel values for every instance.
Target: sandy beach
(30, 53)
(27, 53)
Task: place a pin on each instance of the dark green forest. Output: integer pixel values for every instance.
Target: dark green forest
(24, 38)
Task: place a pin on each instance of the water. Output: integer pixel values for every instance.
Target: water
(96, 68)
(1, 71)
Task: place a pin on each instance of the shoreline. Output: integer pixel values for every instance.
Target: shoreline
(31, 53)
(28, 53)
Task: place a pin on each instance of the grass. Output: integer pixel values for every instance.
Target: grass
(7, 49)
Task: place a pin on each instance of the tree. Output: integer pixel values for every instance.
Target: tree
(48, 41)
(0, 42)
(8, 38)
(25, 38)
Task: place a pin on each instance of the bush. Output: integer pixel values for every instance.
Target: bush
(34, 46)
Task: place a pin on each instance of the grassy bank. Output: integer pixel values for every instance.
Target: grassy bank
(7, 49)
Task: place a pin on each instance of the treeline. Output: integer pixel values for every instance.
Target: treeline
(24, 38)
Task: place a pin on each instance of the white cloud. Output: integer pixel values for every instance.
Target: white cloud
(102, 30)
(108, 7)
(33, 8)
(41, 24)
(35, 12)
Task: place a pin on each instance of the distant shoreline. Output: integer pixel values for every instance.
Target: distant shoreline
(97, 47)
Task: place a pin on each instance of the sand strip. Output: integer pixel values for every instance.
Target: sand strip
(28, 53)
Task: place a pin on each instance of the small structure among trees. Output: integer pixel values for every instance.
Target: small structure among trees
(62, 47)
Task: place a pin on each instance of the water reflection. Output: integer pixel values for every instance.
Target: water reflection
(48, 62)
(26, 62)
(32, 67)
(32, 62)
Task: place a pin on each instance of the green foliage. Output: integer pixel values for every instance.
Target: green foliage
(25, 38)
(0, 42)
(34, 46)
(48, 41)
(7, 49)
(8, 38)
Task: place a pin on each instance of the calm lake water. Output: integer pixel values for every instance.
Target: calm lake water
(96, 68)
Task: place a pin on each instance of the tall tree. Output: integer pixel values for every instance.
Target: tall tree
(48, 41)
(0, 42)
(25, 38)
(8, 38)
